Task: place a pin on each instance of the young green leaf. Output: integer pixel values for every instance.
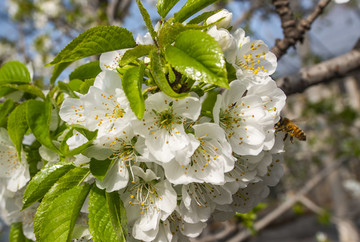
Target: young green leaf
(75, 84)
(164, 6)
(58, 69)
(202, 17)
(198, 56)
(16, 233)
(99, 168)
(159, 76)
(86, 71)
(135, 53)
(14, 72)
(170, 31)
(17, 126)
(84, 88)
(65, 87)
(147, 19)
(27, 88)
(100, 225)
(59, 220)
(43, 181)
(131, 83)
(6, 108)
(95, 41)
(208, 104)
(38, 115)
(64, 147)
(190, 8)
(117, 214)
(72, 179)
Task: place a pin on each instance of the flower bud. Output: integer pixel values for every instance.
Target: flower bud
(226, 17)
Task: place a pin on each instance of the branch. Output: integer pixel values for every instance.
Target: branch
(324, 72)
(293, 31)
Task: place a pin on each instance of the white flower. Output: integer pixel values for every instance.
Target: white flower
(124, 155)
(105, 107)
(252, 57)
(110, 60)
(226, 41)
(76, 140)
(148, 201)
(199, 201)
(10, 209)
(225, 17)
(241, 117)
(163, 127)
(14, 174)
(212, 158)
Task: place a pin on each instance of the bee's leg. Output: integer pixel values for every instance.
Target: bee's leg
(286, 135)
(292, 138)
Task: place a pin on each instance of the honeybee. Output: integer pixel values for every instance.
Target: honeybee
(287, 126)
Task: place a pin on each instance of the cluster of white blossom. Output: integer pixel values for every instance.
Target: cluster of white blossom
(175, 168)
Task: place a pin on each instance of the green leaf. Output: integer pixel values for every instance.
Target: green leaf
(86, 71)
(190, 8)
(131, 84)
(58, 69)
(100, 225)
(231, 72)
(6, 91)
(164, 6)
(209, 103)
(5, 108)
(95, 41)
(117, 214)
(67, 89)
(58, 221)
(16, 233)
(40, 184)
(38, 115)
(27, 88)
(135, 53)
(84, 88)
(72, 179)
(17, 126)
(75, 84)
(170, 31)
(147, 19)
(14, 72)
(99, 168)
(202, 17)
(199, 57)
(159, 76)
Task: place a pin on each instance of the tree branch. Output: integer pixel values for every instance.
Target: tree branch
(324, 72)
(293, 31)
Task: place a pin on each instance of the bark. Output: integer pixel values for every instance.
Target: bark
(293, 30)
(337, 67)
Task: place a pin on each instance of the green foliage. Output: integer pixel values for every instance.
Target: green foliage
(199, 57)
(100, 223)
(99, 168)
(63, 202)
(95, 41)
(86, 71)
(117, 214)
(164, 6)
(59, 220)
(159, 76)
(135, 53)
(38, 118)
(43, 181)
(131, 84)
(203, 17)
(147, 19)
(324, 218)
(58, 69)
(190, 8)
(16, 233)
(14, 72)
(247, 219)
(18, 126)
(90, 135)
(5, 109)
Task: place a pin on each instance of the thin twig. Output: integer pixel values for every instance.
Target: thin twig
(293, 31)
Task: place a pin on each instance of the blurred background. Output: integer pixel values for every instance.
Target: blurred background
(318, 199)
